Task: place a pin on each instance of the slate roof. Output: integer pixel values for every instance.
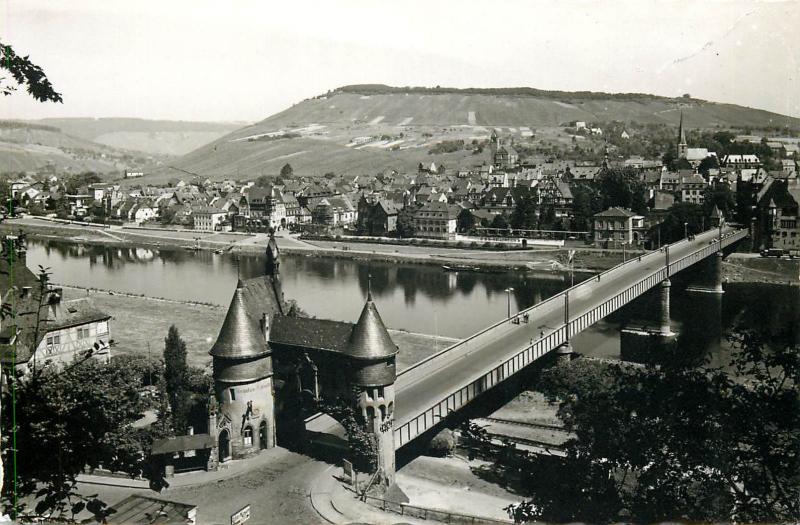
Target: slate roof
(450, 211)
(64, 314)
(303, 332)
(369, 339)
(241, 336)
(171, 445)
(614, 213)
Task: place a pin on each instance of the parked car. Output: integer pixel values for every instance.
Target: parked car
(772, 252)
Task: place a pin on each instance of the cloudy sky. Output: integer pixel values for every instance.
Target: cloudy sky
(244, 60)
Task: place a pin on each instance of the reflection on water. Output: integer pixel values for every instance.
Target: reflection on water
(418, 298)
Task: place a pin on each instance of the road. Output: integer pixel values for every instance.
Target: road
(421, 387)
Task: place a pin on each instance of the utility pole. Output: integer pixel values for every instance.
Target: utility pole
(566, 313)
(508, 295)
(149, 366)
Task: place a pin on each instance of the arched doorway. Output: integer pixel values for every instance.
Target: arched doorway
(224, 445)
(263, 442)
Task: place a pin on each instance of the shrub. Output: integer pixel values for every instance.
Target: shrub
(442, 444)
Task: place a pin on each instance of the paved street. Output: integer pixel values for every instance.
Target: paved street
(423, 386)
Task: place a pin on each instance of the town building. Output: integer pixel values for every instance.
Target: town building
(778, 217)
(693, 188)
(615, 227)
(207, 218)
(436, 220)
(741, 161)
(377, 216)
(41, 328)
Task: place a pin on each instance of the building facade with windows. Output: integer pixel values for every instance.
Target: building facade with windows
(40, 328)
(436, 220)
(615, 227)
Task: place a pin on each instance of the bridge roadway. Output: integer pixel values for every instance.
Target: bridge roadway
(450, 379)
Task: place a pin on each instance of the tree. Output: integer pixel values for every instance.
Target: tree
(500, 222)
(622, 188)
(675, 441)
(176, 378)
(466, 221)
(585, 203)
(720, 196)
(286, 171)
(362, 446)
(681, 218)
(26, 73)
(707, 164)
(67, 420)
(405, 222)
(524, 215)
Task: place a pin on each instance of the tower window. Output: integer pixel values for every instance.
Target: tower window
(380, 391)
(233, 395)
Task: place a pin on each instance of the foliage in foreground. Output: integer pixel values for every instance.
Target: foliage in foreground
(656, 444)
(61, 422)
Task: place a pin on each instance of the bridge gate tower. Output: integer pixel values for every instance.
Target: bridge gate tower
(372, 355)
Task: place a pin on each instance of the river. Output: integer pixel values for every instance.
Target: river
(417, 298)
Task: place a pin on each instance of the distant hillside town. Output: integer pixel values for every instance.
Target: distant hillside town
(504, 197)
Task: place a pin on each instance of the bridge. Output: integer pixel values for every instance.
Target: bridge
(448, 380)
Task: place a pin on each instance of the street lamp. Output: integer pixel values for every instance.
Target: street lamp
(686, 230)
(508, 295)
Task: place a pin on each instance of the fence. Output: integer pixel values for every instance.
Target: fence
(444, 516)
(466, 391)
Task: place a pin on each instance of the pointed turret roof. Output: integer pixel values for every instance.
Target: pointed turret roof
(716, 213)
(369, 338)
(240, 336)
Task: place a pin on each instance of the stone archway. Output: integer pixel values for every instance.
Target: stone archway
(263, 435)
(224, 445)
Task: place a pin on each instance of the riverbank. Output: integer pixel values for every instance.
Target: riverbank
(751, 268)
(542, 260)
(140, 323)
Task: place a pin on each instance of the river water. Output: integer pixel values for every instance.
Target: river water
(418, 298)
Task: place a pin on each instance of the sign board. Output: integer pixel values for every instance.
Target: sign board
(240, 516)
(349, 473)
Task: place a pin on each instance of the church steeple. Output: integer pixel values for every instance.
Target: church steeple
(682, 146)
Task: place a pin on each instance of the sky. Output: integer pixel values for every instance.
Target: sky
(245, 60)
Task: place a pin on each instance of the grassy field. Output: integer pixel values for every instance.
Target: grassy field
(139, 321)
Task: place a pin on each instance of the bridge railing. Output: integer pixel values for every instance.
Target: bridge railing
(549, 303)
(468, 390)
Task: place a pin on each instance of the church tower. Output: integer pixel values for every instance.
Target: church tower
(242, 362)
(682, 146)
(372, 354)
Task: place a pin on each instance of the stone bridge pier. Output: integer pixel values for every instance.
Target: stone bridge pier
(709, 276)
(646, 341)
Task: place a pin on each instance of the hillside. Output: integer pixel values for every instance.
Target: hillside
(27, 147)
(157, 137)
(357, 129)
